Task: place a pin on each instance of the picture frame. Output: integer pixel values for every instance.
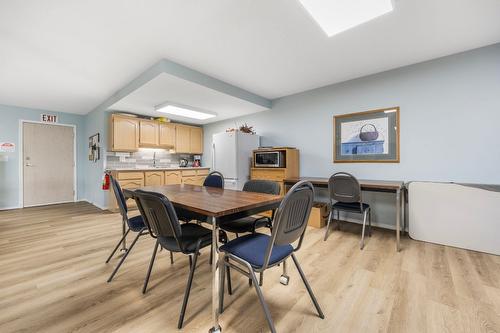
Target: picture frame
(94, 154)
(367, 137)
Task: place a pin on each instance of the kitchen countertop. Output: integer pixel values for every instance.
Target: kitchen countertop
(160, 168)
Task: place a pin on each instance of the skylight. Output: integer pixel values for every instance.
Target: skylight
(185, 112)
(335, 16)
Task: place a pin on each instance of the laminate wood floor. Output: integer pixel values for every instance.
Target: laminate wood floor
(53, 279)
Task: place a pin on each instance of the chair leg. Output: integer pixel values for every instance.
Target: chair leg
(125, 256)
(190, 261)
(261, 278)
(362, 244)
(171, 258)
(117, 246)
(369, 222)
(211, 256)
(188, 290)
(328, 224)
(308, 287)
(222, 277)
(262, 301)
(146, 281)
(229, 285)
(338, 219)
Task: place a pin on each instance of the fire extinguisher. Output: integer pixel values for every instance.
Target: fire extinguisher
(105, 182)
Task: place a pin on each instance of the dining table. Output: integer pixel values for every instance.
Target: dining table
(216, 205)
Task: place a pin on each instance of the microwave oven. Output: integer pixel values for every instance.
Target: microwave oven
(269, 159)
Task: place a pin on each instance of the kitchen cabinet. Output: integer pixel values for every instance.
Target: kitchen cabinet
(193, 180)
(182, 139)
(154, 178)
(196, 140)
(124, 133)
(129, 133)
(173, 177)
(167, 135)
(189, 139)
(128, 181)
(149, 133)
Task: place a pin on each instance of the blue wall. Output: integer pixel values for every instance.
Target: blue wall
(9, 132)
(96, 122)
(450, 120)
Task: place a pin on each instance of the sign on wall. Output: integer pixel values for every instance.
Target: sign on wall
(48, 118)
(7, 147)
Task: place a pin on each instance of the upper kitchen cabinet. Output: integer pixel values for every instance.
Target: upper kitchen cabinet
(124, 133)
(182, 139)
(189, 139)
(167, 135)
(149, 133)
(196, 140)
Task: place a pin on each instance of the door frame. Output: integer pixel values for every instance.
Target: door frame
(21, 161)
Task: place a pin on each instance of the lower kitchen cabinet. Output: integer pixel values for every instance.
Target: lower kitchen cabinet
(173, 177)
(154, 178)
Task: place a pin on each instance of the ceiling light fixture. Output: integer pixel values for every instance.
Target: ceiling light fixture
(184, 111)
(335, 16)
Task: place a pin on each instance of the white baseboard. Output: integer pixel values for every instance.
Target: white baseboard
(10, 208)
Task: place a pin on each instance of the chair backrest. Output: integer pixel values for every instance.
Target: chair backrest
(214, 179)
(344, 187)
(120, 198)
(262, 186)
(158, 214)
(291, 217)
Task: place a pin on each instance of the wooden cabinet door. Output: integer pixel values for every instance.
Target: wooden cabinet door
(193, 180)
(131, 185)
(167, 135)
(148, 130)
(125, 133)
(173, 177)
(182, 139)
(196, 140)
(154, 178)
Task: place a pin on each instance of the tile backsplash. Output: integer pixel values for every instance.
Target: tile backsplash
(144, 159)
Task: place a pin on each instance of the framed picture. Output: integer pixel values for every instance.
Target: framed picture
(94, 148)
(367, 137)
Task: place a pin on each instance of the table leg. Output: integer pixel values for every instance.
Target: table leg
(215, 277)
(403, 216)
(398, 218)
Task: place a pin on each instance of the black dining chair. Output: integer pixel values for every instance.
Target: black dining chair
(163, 225)
(344, 188)
(214, 179)
(250, 223)
(134, 224)
(257, 252)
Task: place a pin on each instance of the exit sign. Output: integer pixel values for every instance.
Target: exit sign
(48, 118)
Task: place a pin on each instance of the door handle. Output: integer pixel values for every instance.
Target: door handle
(29, 164)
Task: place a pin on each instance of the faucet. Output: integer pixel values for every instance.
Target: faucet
(154, 159)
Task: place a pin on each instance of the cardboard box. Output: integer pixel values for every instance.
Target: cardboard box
(318, 217)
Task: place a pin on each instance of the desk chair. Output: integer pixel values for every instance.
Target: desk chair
(257, 252)
(136, 224)
(163, 225)
(251, 224)
(344, 188)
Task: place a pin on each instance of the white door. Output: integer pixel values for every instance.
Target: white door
(48, 164)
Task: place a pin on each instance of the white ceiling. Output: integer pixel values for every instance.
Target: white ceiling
(168, 88)
(71, 55)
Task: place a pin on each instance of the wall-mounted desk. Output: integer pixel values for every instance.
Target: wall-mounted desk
(387, 186)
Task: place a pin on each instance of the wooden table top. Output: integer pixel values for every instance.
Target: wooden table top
(364, 183)
(212, 201)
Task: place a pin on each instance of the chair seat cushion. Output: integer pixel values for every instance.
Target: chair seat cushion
(191, 233)
(350, 206)
(252, 248)
(136, 223)
(245, 224)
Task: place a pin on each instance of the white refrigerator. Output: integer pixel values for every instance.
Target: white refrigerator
(232, 156)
